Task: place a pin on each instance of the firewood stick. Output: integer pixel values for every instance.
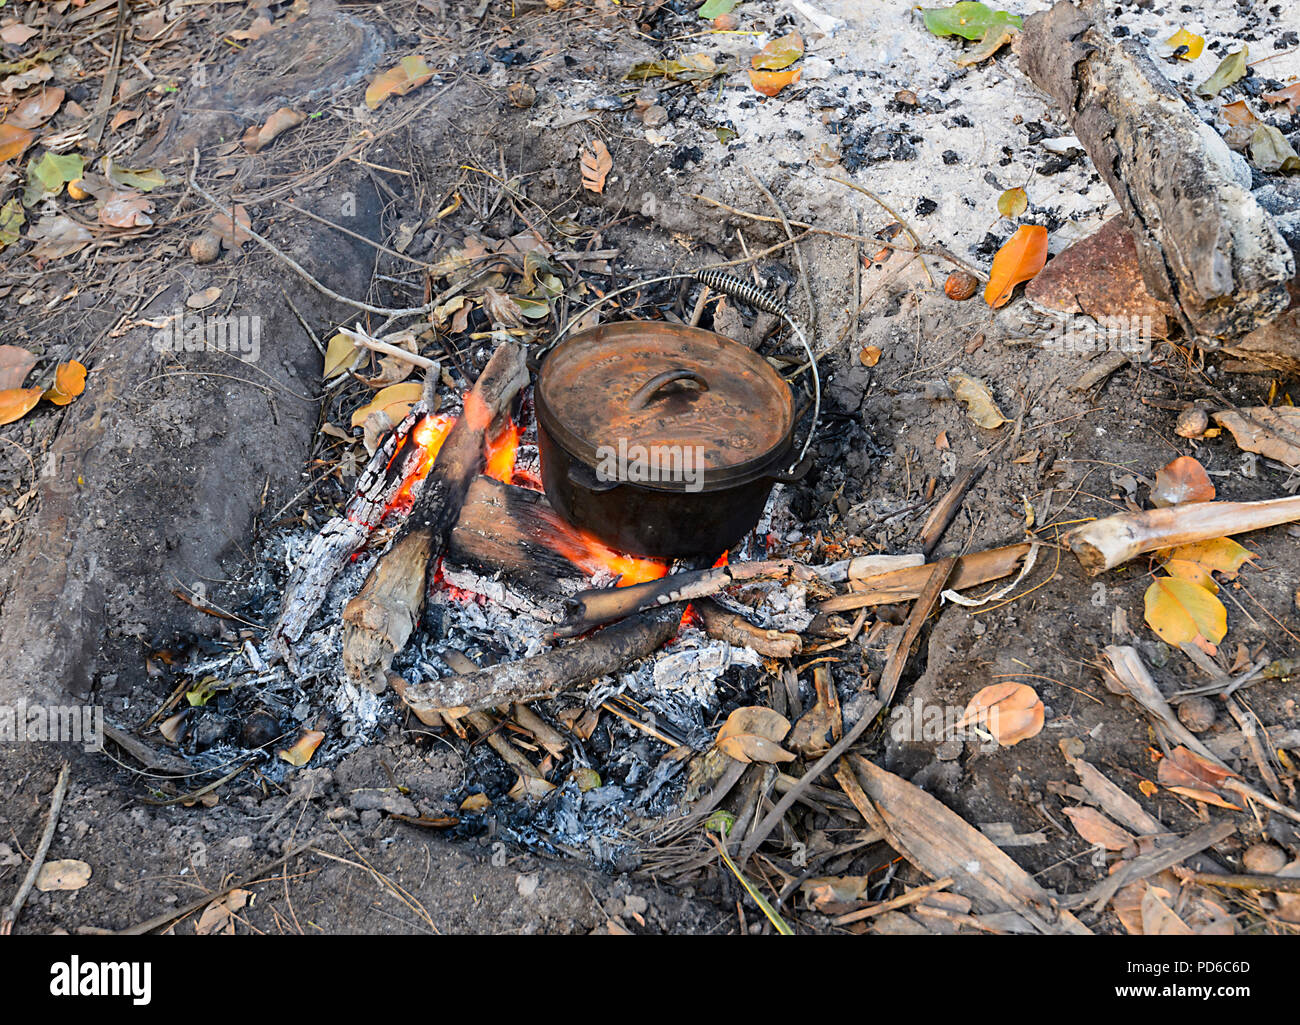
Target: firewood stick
(573, 665)
(1107, 543)
(378, 622)
(588, 609)
(725, 625)
(906, 584)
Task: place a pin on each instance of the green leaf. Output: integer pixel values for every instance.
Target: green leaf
(203, 692)
(720, 822)
(145, 180)
(694, 67)
(533, 309)
(1231, 69)
(1270, 151)
(968, 19)
(713, 8)
(11, 222)
(47, 175)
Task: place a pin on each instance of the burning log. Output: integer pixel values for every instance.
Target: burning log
(905, 584)
(379, 620)
(1206, 246)
(573, 665)
(1105, 544)
(588, 609)
(725, 625)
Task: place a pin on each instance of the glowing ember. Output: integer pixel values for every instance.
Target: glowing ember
(428, 435)
(591, 555)
(502, 452)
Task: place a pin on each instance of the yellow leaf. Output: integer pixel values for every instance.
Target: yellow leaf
(396, 400)
(409, 73)
(16, 403)
(1179, 612)
(779, 53)
(1221, 555)
(340, 354)
(69, 382)
(1013, 202)
(980, 407)
(1148, 788)
(1194, 43)
(1205, 797)
(1020, 258)
(300, 752)
(1192, 571)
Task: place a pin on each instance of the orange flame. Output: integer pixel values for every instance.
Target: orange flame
(591, 555)
(502, 452)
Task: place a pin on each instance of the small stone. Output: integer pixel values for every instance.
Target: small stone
(725, 23)
(654, 116)
(1192, 422)
(521, 94)
(1197, 714)
(205, 248)
(948, 750)
(1264, 859)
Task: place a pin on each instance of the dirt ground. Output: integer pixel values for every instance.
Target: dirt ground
(162, 479)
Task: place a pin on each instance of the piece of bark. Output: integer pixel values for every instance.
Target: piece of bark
(1099, 276)
(1274, 346)
(942, 844)
(1205, 245)
(1176, 851)
(377, 623)
(1106, 543)
(573, 665)
(906, 584)
(725, 625)
(1268, 430)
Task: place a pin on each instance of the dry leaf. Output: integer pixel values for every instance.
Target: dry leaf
(1020, 258)
(1184, 767)
(121, 118)
(394, 369)
(202, 300)
(69, 382)
(126, 210)
(340, 355)
(395, 400)
(1194, 43)
(1180, 612)
(16, 403)
(1269, 439)
(62, 875)
(232, 235)
(218, 918)
(870, 356)
(980, 407)
(1205, 797)
(529, 788)
(1013, 203)
(261, 26)
(257, 139)
(14, 141)
(754, 734)
(1009, 712)
(596, 165)
(1183, 481)
(1158, 918)
(15, 365)
(409, 73)
(1290, 96)
(17, 34)
(475, 803)
(299, 753)
(779, 53)
(36, 109)
(769, 83)
(1098, 829)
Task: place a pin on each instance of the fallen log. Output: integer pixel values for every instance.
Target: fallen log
(379, 620)
(573, 665)
(1106, 543)
(1205, 244)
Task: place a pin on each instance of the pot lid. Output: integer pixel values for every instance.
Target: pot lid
(649, 387)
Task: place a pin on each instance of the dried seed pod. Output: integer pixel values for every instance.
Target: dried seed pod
(1263, 858)
(205, 248)
(76, 190)
(1192, 422)
(1197, 714)
(960, 285)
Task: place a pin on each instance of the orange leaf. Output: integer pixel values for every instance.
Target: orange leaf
(16, 403)
(1205, 797)
(69, 382)
(1096, 828)
(1184, 767)
(596, 165)
(1183, 481)
(1010, 712)
(1239, 115)
(769, 83)
(409, 73)
(1023, 256)
(300, 752)
(1290, 96)
(13, 140)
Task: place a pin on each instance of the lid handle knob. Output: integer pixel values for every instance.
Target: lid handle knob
(652, 387)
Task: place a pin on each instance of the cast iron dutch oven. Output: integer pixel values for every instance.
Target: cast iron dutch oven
(662, 440)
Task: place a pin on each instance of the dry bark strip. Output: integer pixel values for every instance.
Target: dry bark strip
(942, 844)
(1204, 243)
(907, 583)
(378, 621)
(573, 665)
